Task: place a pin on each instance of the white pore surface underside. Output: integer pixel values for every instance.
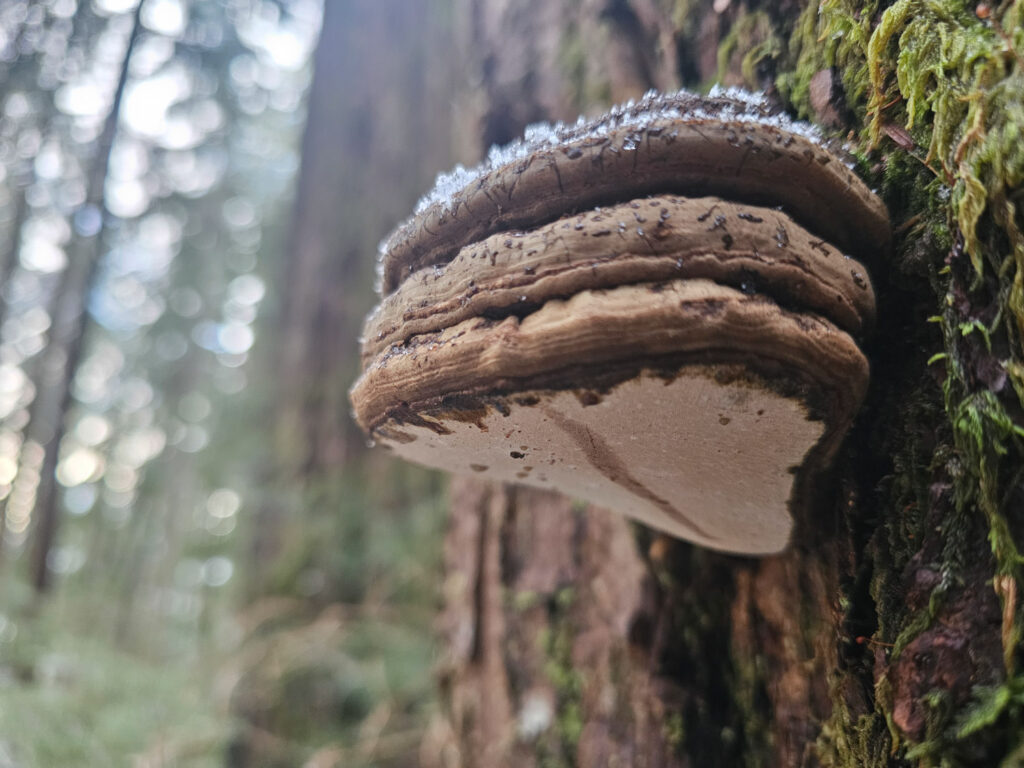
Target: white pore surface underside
(700, 460)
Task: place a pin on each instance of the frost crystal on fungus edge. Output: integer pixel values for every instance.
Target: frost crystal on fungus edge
(732, 104)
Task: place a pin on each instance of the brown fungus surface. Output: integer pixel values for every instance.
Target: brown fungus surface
(647, 240)
(657, 314)
(731, 146)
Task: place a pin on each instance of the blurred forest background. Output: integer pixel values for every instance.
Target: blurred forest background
(200, 565)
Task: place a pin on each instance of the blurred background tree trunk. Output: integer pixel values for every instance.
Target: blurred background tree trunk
(64, 353)
(888, 634)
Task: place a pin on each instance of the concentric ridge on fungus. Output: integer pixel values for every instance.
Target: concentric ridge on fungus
(656, 311)
(730, 143)
(640, 241)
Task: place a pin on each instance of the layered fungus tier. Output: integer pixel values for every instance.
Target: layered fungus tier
(657, 311)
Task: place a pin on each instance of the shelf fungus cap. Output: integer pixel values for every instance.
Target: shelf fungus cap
(657, 312)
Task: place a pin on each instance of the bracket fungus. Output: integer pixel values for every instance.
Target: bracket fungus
(657, 311)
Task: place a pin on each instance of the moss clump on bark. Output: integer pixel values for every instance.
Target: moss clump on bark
(938, 87)
(752, 40)
(960, 80)
(945, 82)
(832, 35)
(567, 682)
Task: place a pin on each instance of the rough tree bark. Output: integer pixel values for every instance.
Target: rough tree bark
(888, 634)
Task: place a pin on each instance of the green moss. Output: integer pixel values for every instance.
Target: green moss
(572, 61)
(674, 730)
(525, 599)
(832, 34)
(855, 741)
(955, 83)
(960, 80)
(751, 38)
(567, 681)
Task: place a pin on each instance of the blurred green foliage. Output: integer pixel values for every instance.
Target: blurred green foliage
(213, 604)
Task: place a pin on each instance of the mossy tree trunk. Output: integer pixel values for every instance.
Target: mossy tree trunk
(888, 634)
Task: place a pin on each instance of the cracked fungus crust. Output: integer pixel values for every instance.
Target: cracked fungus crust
(661, 452)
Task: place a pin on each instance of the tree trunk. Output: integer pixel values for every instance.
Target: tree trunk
(71, 319)
(888, 634)
(377, 126)
(377, 129)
